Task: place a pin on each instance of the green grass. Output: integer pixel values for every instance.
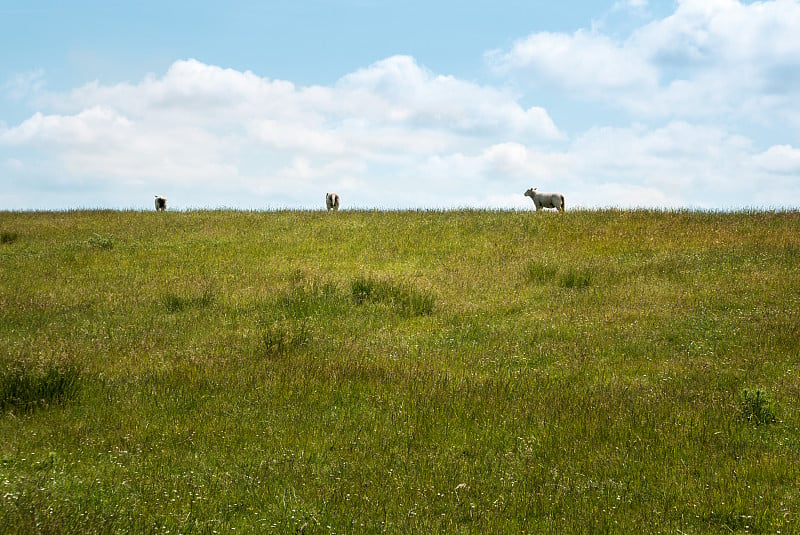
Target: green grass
(414, 372)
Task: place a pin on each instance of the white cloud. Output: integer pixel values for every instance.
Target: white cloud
(624, 195)
(92, 126)
(204, 127)
(398, 90)
(584, 62)
(725, 57)
(680, 164)
(781, 159)
(709, 58)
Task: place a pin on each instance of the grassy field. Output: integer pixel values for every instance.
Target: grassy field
(413, 372)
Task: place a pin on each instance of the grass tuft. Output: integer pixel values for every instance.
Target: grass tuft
(541, 273)
(308, 299)
(100, 242)
(26, 387)
(175, 303)
(756, 407)
(405, 300)
(575, 278)
(572, 277)
(7, 237)
(281, 339)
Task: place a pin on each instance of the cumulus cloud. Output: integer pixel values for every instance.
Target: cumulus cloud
(205, 126)
(782, 159)
(397, 90)
(708, 58)
(692, 166)
(584, 61)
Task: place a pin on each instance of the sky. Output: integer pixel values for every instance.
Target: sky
(402, 104)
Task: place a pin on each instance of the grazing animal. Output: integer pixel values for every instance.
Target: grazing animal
(546, 200)
(161, 203)
(332, 201)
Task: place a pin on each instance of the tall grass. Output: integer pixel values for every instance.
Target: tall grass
(25, 385)
(424, 371)
(407, 301)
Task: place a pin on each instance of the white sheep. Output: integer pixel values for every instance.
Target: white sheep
(546, 200)
(161, 203)
(332, 201)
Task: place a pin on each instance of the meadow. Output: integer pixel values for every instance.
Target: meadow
(466, 371)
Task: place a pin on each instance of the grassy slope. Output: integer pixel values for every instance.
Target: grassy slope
(402, 371)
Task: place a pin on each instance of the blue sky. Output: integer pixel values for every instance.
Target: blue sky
(415, 104)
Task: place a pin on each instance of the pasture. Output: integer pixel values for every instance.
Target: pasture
(402, 372)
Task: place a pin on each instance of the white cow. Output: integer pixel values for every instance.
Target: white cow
(332, 201)
(546, 200)
(161, 203)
